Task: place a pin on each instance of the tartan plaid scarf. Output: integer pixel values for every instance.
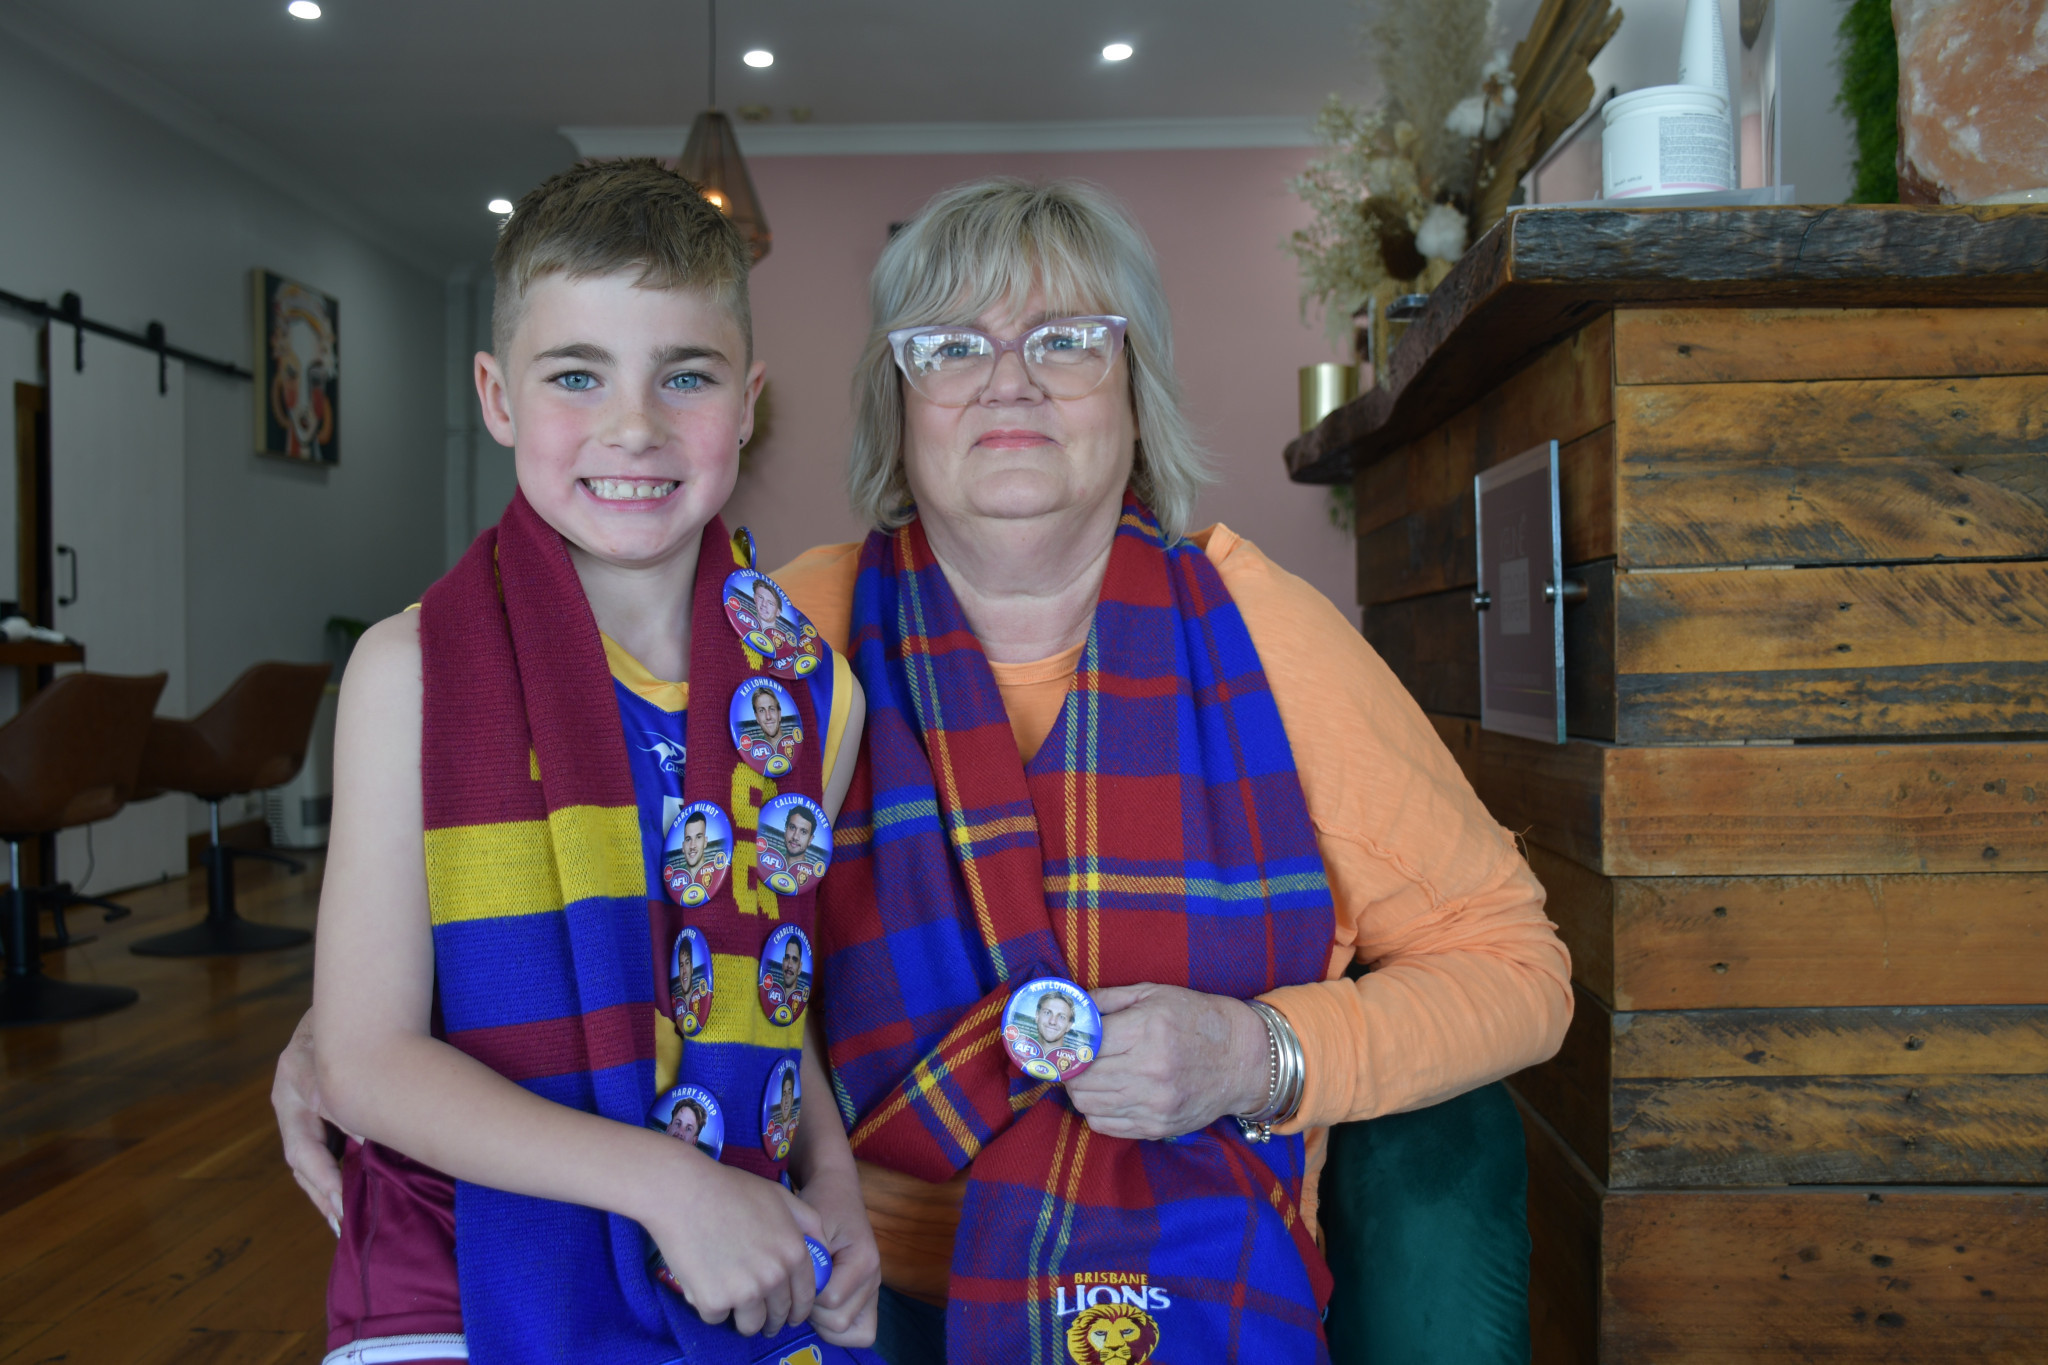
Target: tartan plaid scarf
(1159, 834)
(543, 916)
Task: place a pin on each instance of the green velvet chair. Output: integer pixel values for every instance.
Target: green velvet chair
(1425, 1224)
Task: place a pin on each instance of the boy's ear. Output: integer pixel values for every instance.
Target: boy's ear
(493, 396)
(757, 375)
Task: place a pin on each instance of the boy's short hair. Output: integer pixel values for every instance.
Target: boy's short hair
(599, 217)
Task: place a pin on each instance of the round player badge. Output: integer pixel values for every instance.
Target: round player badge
(794, 845)
(696, 854)
(771, 625)
(1051, 1029)
(781, 1106)
(785, 982)
(691, 1113)
(765, 726)
(689, 982)
(821, 1262)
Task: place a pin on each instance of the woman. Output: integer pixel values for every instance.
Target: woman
(1161, 767)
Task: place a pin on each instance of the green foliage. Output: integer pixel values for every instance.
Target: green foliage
(1869, 61)
(1343, 507)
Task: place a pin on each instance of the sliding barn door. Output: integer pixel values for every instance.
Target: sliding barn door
(117, 522)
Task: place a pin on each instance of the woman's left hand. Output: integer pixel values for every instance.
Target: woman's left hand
(1173, 1061)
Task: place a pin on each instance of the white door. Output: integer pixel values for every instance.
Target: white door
(117, 520)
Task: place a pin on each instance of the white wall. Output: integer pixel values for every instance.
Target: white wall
(97, 198)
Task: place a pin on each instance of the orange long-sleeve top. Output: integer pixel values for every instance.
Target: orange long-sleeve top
(1468, 980)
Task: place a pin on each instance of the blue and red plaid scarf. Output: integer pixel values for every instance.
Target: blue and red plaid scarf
(1158, 835)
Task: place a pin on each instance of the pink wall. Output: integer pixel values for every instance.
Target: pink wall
(1216, 219)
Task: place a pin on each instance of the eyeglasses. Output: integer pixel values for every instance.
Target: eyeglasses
(1064, 358)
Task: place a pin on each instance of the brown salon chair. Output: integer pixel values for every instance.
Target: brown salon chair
(253, 738)
(69, 758)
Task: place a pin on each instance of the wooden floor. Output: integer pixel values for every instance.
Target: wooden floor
(146, 1214)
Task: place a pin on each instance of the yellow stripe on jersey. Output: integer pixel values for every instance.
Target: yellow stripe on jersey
(669, 696)
(842, 706)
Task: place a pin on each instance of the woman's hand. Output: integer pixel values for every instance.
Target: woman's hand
(845, 1313)
(735, 1243)
(301, 1122)
(1173, 1061)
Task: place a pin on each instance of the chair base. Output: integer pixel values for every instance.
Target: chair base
(223, 932)
(37, 999)
(213, 938)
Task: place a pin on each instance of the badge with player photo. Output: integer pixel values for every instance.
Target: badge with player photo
(765, 726)
(785, 979)
(794, 846)
(696, 854)
(782, 1105)
(771, 625)
(1051, 1029)
(691, 1113)
(689, 982)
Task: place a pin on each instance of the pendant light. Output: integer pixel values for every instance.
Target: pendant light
(711, 160)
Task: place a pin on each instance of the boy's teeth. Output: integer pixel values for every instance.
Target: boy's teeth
(628, 490)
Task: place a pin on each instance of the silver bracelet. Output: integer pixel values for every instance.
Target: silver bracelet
(1289, 1074)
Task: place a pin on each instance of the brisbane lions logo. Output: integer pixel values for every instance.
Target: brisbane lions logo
(1112, 1332)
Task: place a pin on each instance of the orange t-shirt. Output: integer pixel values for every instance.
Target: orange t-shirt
(1469, 982)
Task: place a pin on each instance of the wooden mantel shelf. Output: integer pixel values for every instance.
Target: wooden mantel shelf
(1540, 274)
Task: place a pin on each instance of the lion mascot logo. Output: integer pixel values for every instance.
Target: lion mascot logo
(1112, 1332)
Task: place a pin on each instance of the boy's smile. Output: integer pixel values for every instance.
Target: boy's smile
(626, 408)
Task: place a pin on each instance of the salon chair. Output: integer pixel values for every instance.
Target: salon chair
(251, 739)
(70, 757)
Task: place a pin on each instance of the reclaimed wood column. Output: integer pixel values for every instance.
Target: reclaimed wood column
(1798, 841)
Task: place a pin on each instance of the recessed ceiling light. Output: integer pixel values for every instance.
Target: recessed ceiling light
(302, 9)
(759, 57)
(499, 206)
(1116, 52)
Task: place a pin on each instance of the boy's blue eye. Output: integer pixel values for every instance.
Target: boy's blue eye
(577, 381)
(687, 381)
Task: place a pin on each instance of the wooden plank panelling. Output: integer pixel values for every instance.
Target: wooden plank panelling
(1680, 943)
(1790, 1277)
(1778, 1097)
(1423, 540)
(1832, 473)
(1785, 1277)
(1564, 1248)
(1573, 1090)
(1919, 649)
(1581, 903)
(1536, 276)
(1764, 810)
(1862, 653)
(1730, 345)
(1432, 645)
(1564, 393)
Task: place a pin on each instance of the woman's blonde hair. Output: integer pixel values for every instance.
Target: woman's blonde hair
(992, 242)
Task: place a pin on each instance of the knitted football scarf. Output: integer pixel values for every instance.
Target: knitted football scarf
(1160, 835)
(550, 952)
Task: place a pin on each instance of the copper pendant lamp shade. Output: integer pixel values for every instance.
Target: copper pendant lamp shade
(711, 160)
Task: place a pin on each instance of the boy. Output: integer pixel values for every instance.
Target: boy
(488, 809)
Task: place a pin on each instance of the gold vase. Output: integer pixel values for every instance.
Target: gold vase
(1324, 389)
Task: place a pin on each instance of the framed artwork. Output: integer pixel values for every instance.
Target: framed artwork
(298, 370)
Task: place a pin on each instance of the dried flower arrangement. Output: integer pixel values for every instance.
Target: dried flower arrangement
(1406, 185)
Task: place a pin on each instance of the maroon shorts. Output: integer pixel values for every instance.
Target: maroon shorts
(392, 1295)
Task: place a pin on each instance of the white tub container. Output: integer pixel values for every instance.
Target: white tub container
(1667, 139)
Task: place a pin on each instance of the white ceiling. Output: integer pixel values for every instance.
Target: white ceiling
(408, 115)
